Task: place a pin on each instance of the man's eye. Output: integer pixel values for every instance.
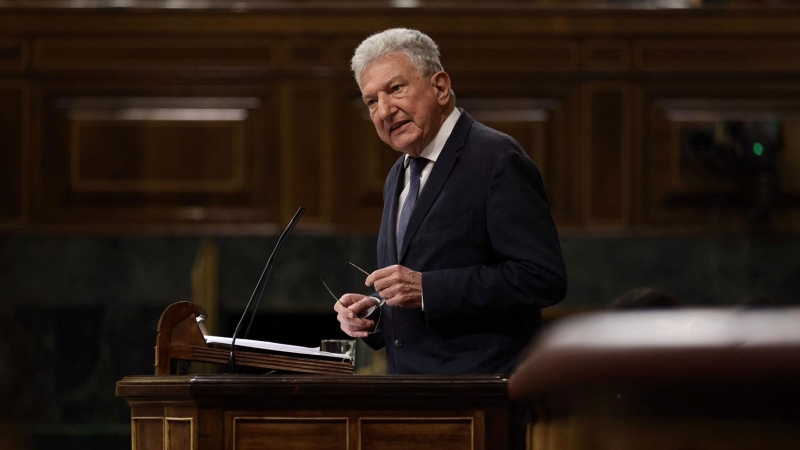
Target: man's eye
(396, 87)
(371, 103)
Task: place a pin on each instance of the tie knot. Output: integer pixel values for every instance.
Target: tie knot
(417, 164)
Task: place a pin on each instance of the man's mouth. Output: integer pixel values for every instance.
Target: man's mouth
(398, 125)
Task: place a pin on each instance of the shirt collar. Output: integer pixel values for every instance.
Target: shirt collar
(434, 148)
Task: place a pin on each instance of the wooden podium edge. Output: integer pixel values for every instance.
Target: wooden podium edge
(181, 337)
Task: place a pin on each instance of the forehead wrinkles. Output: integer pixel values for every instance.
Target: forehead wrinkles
(395, 65)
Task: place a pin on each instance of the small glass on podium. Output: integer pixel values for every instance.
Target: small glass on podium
(342, 346)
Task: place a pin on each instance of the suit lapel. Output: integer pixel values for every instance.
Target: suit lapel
(441, 170)
(391, 241)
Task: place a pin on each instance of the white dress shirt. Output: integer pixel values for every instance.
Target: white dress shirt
(431, 153)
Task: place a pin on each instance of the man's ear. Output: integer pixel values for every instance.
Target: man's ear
(441, 83)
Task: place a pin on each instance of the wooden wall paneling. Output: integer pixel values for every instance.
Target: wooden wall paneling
(155, 53)
(161, 151)
(716, 55)
(397, 433)
(36, 160)
(361, 162)
(179, 433)
(14, 54)
(160, 53)
(306, 52)
(181, 426)
(342, 49)
(210, 429)
(606, 154)
(541, 124)
(699, 186)
(511, 18)
(147, 433)
(671, 181)
(253, 433)
(568, 192)
(133, 155)
(606, 55)
(368, 429)
(640, 149)
(176, 425)
(495, 55)
(306, 150)
(266, 153)
(787, 215)
(14, 132)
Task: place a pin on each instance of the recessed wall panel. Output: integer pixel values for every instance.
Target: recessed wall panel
(306, 151)
(412, 434)
(148, 433)
(154, 158)
(290, 433)
(11, 153)
(157, 156)
(179, 434)
(606, 155)
(14, 54)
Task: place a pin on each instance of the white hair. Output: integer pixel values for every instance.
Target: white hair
(416, 45)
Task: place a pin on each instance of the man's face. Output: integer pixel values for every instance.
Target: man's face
(406, 107)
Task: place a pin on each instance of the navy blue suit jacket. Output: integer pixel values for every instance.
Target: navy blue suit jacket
(482, 235)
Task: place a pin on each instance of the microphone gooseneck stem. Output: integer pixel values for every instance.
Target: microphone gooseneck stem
(259, 290)
(258, 301)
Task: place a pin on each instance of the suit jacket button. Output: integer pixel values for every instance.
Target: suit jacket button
(398, 343)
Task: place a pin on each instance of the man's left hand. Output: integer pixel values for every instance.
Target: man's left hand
(398, 285)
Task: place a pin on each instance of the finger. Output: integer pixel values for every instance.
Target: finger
(356, 330)
(358, 334)
(392, 290)
(339, 308)
(370, 281)
(349, 299)
(355, 333)
(387, 293)
(345, 315)
(362, 324)
(388, 281)
(354, 322)
(396, 300)
(380, 274)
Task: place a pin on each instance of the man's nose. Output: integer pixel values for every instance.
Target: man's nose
(385, 106)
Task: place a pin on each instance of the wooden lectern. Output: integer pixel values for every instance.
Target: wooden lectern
(670, 380)
(306, 411)
(313, 412)
(181, 337)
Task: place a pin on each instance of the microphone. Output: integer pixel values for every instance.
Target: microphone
(259, 290)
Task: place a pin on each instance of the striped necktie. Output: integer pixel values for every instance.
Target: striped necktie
(417, 164)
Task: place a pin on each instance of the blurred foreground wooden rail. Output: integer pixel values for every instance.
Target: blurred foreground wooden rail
(691, 379)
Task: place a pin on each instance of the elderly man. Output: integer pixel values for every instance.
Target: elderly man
(467, 249)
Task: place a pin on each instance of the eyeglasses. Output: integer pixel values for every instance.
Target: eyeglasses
(369, 313)
(359, 268)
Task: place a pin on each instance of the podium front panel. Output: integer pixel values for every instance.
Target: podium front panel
(229, 412)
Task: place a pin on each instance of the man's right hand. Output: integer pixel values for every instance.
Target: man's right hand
(349, 307)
